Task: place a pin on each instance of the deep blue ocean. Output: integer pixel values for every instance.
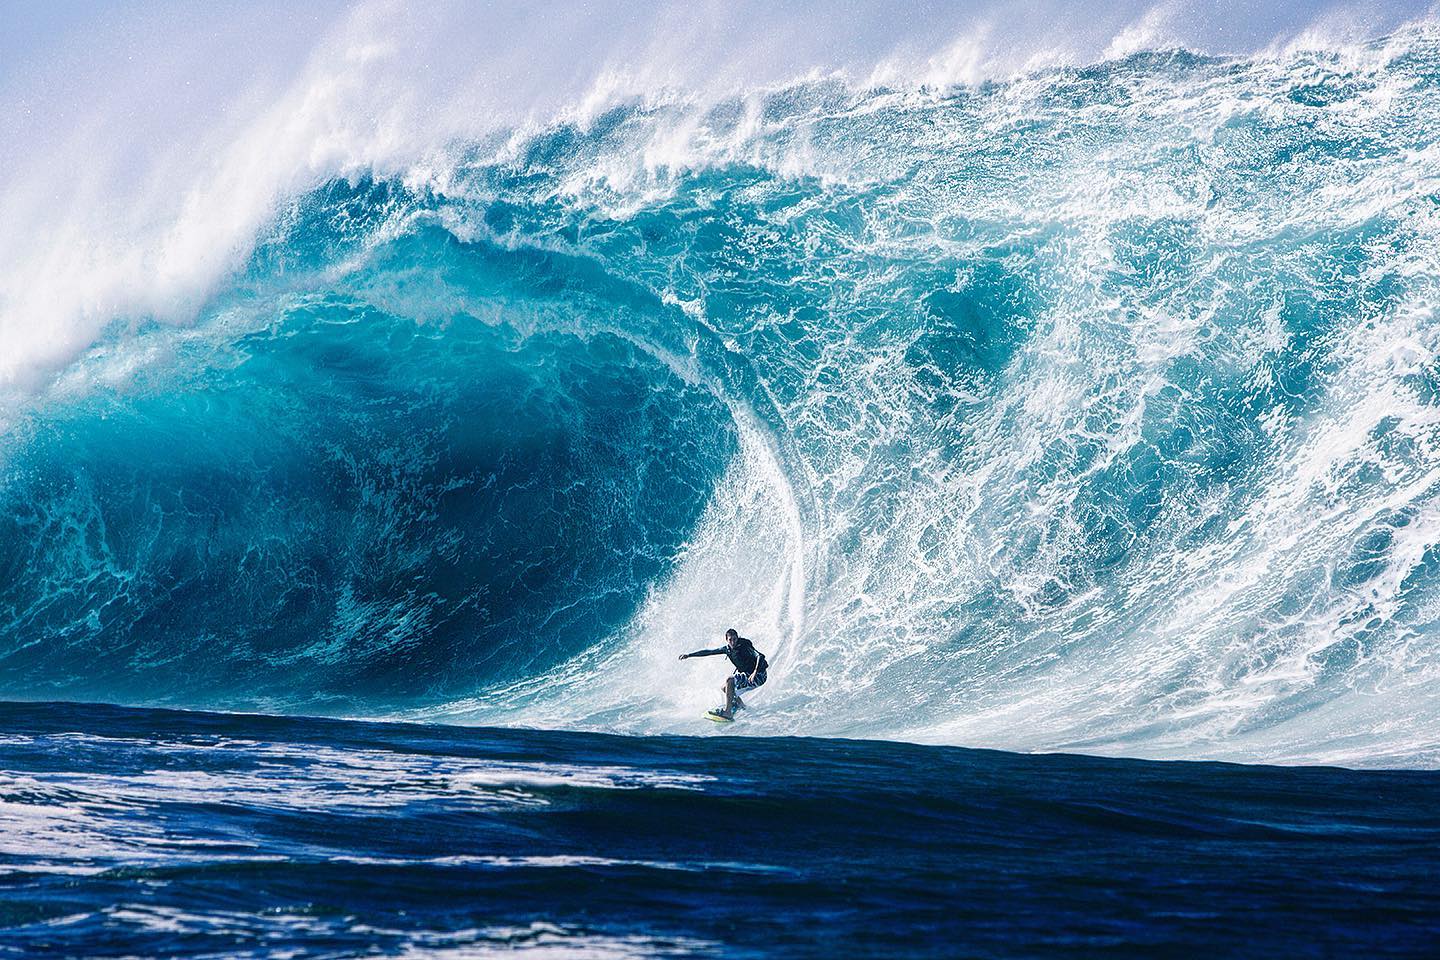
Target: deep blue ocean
(162, 834)
(1067, 436)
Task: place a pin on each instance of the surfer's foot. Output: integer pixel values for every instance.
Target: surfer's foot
(722, 712)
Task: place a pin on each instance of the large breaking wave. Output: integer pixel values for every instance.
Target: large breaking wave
(1095, 407)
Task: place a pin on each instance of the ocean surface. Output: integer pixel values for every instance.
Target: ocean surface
(127, 832)
(1010, 396)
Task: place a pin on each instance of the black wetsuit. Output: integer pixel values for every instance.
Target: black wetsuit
(743, 655)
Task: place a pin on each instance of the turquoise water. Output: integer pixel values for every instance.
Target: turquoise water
(1092, 408)
(1037, 377)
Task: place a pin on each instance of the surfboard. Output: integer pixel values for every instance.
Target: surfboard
(712, 715)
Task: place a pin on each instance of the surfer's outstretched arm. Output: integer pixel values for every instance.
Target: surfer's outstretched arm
(703, 653)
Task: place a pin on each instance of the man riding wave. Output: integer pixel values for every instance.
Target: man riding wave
(750, 668)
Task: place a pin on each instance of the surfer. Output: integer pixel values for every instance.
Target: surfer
(750, 667)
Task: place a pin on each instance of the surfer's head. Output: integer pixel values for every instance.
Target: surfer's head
(731, 636)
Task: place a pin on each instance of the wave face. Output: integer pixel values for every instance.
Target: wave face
(341, 507)
(1096, 408)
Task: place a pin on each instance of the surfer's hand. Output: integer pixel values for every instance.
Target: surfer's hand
(684, 656)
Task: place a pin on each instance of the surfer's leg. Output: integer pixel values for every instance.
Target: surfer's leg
(741, 681)
(730, 696)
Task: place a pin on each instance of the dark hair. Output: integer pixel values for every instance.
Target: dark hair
(731, 633)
